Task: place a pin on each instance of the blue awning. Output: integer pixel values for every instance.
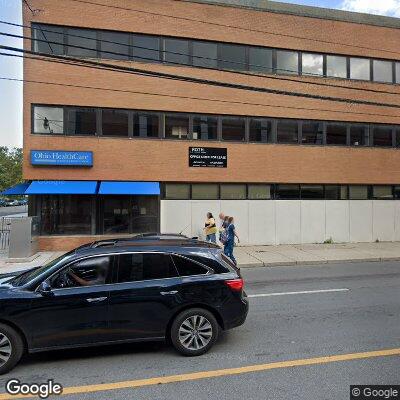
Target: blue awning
(117, 187)
(16, 190)
(62, 187)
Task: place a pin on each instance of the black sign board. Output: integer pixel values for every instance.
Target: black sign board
(213, 157)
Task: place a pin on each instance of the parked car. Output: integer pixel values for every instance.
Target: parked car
(12, 203)
(2, 203)
(126, 291)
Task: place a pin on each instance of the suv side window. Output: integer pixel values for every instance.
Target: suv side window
(145, 266)
(187, 267)
(210, 263)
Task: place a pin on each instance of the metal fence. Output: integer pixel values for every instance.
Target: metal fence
(5, 228)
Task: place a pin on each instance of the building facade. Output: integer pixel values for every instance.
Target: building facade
(142, 116)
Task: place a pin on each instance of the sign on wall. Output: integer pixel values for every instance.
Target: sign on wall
(65, 158)
(213, 157)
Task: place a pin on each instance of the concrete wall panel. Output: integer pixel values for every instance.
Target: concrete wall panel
(361, 221)
(383, 220)
(262, 222)
(337, 224)
(175, 216)
(239, 209)
(288, 227)
(312, 221)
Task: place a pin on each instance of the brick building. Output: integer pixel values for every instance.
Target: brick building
(304, 102)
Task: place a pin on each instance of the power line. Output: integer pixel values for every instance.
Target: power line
(183, 78)
(186, 54)
(231, 26)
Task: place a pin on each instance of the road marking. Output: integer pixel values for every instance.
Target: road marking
(216, 373)
(302, 292)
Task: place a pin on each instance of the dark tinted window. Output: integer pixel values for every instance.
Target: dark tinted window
(397, 136)
(187, 267)
(383, 71)
(396, 192)
(205, 191)
(177, 191)
(260, 130)
(205, 127)
(336, 134)
(145, 266)
(116, 216)
(260, 60)
(287, 192)
(382, 192)
(205, 54)
(335, 192)
(81, 121)
(259, 192)
(287, 62)
(312, 133)
(232, 56)
(287, 132)
(233, 128)
(176, 126)
(146, 48)
(50, 39)
(85, 42)
(233, 191)
(115, 123)
(336, 66)
(312, 192)
(358, 192)
(359, 135)
(382, 136)
(114, 45)
(176, 51)
(146, 125)
(48, 120)
(210, 263)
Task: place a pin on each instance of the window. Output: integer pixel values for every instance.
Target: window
(396, 192)
(287, 131)
(48, 120)
(358, 192)
(261, 130)
(312, 132)
(382, 192)
(81, 121)
(205, 54)
(336, 66)
(177, 191)
(114, 45)
(360, 69)
(287, 192)
(88, 272)
(146, 124)
(116, 218)
(336, 192)
(359, 135)
(287, 62)
(312, 192)
(146, 48)
(205, 127)
(66, 214)
(187, 267)
(145, 266)
(382, 136)
(85, 42)
(176, 51)
(397, 136)
(312, 64)
(259, 192)
(232, 56)
(210, 262)
(233, 191)
(49, 39)
(114, 123)
(398, 72)
(383, 71)
(233, 128)
(260, 60)
(336, 134)
(205, 191)
(176, 126)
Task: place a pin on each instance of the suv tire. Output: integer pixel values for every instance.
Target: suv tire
(11, 348)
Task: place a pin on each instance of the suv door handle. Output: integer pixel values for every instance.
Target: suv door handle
(96, 299)
(169, 293)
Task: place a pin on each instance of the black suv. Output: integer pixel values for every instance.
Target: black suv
(122, 291)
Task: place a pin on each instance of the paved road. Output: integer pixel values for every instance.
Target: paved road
(10, 211)
(284, 327)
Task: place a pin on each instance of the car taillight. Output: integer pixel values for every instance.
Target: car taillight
(235, 284)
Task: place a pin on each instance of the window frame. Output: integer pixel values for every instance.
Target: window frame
(208, 269)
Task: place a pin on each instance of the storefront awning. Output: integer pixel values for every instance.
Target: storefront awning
(117, 187)
(16, 190)
(62, 187)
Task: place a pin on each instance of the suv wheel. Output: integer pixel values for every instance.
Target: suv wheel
(11, 348)
(194, 332)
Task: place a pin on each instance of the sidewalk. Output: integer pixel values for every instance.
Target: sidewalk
(269, 256)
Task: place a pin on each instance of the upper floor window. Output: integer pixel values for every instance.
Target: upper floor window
(177, 191)
(383, 71)
(259, 192)
(205, 54)
(359, 135)
(312, 64)
(146, 124)
(232, 56)
(312, 192)
(205, 191)
(287, 62)
(336, 134)
(312, 132)
(176, 126)
(260, 59)
(114, 122)
(286, 192)
(49, 39)
(382, 136)
(233, 191)
(114, 45)
(260, 130)
(336, 66)
(398, 72)
(287, 131)
(358, 192)
(360, 68)
(48, 120)
(382, 192)
(146, 48)
(81, 121)
(336, 192)
(233, 128)
(176, 51)
(205, 127)
(82, 43)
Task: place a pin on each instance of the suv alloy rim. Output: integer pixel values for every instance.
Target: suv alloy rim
(5, 349)
(195, 332)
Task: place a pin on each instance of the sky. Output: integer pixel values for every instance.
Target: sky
(11, 67)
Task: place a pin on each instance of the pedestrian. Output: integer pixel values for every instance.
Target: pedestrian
(223, 224)
(210, 228)
(230, 239)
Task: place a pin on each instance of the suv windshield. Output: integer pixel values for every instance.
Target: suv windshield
(27, 276)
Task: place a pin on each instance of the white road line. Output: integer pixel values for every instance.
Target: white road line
(302, 292)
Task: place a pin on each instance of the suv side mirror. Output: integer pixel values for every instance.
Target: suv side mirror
(45, 289)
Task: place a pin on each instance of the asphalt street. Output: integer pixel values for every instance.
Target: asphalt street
(13, 211)
(297, 313)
